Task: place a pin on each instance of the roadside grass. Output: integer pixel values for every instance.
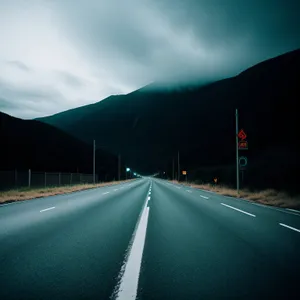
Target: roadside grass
(267, 197)
(26, 193)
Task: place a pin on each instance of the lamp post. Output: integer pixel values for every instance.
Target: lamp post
(127, 170)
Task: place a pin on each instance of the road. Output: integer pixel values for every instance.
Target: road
(148, 239)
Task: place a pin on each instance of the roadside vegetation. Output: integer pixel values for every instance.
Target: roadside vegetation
(32, 193)
(268, 197)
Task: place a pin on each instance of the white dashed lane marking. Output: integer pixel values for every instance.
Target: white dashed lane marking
(289, 227)
(46, 209)
(242, 211)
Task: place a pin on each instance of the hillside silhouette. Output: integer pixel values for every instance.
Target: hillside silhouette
(30, 144)
(150, 125)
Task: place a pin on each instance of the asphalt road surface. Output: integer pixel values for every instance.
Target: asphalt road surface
(148, 239)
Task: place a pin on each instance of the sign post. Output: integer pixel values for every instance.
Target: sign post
(94, 162)
(242, 144)
(237, 152)
(185, 173)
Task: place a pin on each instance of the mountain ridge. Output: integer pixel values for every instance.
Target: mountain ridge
(149, 127)
(31, 144)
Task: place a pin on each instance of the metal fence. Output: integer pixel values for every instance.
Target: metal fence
(17, 179)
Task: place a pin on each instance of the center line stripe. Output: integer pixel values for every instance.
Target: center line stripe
(105, 193)
(244, 212)
(128, 286)
(47, 209)
(204, 197)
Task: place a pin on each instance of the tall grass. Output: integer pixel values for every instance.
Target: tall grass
(268, 196)
(26, 193)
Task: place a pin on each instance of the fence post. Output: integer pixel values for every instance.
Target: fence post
(58, 179)
(71, 179)
(45, 179)
(80, 178)
(29, 178)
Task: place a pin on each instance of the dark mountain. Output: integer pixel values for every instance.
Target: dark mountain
(149, 125)
(30, 144)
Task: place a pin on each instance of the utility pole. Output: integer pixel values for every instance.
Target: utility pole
(119, 167)
(173, 173)
(94, 162)
(237, 152)
(29, 178)
(178, 167)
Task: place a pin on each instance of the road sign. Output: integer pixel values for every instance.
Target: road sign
(243, 161)
(184, 172)
(242, 135)
(243, 145)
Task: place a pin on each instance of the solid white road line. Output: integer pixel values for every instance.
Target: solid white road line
(244, 212)
(290, 227)
(130, 278)
(273, 208)
(295, 210)
(47, 209)
(105, 193)
(204, 197)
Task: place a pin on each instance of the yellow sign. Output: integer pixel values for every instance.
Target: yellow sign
(216, 180)
(184, 172)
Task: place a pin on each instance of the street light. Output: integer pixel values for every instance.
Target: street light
(127, 170)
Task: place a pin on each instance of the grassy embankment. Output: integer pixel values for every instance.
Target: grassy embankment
(268, 197)
(31, 193)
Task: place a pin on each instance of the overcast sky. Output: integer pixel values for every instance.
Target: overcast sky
(60, 54)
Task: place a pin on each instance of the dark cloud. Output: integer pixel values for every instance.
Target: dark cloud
(71, 79)
(19, 65)
(112, 46)
(6, 104)
(270, 27)
(145, 41)
(28, 101)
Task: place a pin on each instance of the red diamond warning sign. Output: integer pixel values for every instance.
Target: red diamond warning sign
(242, 135)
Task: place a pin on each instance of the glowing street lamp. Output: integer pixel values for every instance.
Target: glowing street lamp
(127, 170)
